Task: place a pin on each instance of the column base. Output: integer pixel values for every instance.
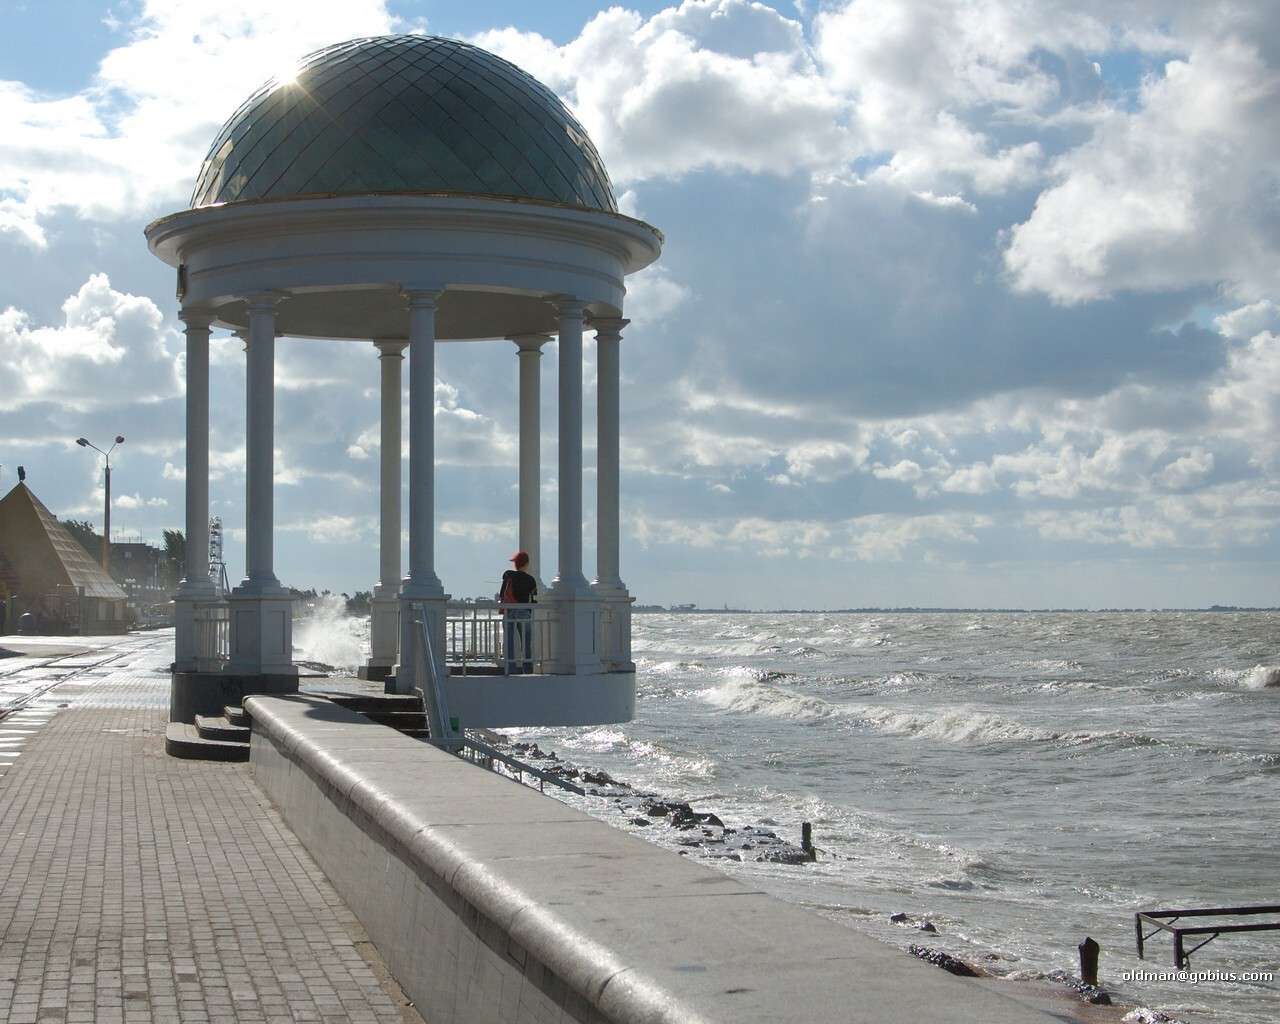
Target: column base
(261, 632)
(185, 653)
(615, 631)
(405, 670)
(208, 693)
(576, 633)
(384, 636)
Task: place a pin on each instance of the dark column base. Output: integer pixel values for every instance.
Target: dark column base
(207, 693)
(373, 672)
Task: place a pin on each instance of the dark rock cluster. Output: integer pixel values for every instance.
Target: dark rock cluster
(1089, 993)
(950, 964)
(703, 832)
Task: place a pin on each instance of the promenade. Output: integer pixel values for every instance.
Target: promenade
(139, 888)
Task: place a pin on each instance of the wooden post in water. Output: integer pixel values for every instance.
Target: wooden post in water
(1089, 951)
(806, 840)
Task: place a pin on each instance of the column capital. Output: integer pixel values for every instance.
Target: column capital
(392, 348)
(264, 301)
(567, 305)
(196, 319)
(421, 296)
(529, 342)
(608, 326)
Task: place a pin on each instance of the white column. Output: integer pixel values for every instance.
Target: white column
(608, 338)
(384, 633)
(422, 586)
(576, 608)
(261, 610)
(615, 606)
(195, 585)
(260, 384)
(530, 357)
(569, 580)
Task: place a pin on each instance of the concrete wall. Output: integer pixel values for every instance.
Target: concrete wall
(493, 903)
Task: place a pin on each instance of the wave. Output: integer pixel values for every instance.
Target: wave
(1260, 677)
(958, 725)
(745, 695)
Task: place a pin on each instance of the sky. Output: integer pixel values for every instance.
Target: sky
(961, 303)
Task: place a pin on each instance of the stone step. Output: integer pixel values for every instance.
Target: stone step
(220, 729)
(366, 702)
(236, 715)
(401, 720)
(182, 740)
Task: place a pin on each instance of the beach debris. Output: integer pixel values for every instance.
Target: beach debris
(950, 964)
(1089, 993)
(923, 924)
(1146, 1015)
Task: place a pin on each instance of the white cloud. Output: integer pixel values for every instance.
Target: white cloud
(1182, 192)
(719, 84)
(904, 471)
(134, 138)
(136, 501)
(109, 350)
(976, 479)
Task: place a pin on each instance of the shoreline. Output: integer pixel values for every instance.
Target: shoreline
(1042, 993)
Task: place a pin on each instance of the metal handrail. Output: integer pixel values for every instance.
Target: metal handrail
(443, 732)
(516, 765)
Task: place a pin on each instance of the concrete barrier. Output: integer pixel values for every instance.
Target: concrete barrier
(490, 902)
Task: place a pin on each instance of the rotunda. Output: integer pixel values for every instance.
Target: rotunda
(401, 191)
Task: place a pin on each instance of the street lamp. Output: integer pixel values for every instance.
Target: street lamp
(84, 442)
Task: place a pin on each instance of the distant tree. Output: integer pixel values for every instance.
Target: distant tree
(359, 602)
(173, 566)
(83, 531)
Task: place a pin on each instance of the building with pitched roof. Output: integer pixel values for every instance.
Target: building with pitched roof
(45, 571)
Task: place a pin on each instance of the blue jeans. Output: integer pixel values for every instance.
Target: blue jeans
(517, 627)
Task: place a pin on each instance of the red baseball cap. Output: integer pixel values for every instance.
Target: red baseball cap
(520, 558)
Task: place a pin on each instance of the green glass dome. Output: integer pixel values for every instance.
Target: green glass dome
(404, 114)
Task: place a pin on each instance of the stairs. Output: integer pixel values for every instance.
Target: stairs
(209, 738)
(403, 712)
(226, 738)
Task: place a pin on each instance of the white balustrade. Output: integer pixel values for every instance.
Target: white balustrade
(212, 635)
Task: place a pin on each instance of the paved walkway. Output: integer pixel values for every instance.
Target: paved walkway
(136, 887)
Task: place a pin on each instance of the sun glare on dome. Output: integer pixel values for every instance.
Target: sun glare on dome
(287, 74)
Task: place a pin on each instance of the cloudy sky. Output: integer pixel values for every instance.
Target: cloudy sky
(962, 303)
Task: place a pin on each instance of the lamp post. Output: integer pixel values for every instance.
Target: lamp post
(84, 442)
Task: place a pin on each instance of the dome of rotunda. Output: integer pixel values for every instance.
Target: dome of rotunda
(404, 114)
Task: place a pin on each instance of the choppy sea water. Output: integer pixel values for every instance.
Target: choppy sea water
(1022, 780)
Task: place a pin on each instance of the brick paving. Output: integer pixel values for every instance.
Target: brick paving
(137, 887)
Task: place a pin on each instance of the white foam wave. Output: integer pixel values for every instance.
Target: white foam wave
(744, 695)
(957, 725)
(329, 636)
(1260, 677)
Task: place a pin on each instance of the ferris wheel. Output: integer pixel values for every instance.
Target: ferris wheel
(217, 567)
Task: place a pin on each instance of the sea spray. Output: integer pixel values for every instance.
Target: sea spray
(330, 636)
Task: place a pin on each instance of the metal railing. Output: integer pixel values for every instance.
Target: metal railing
(444, 730)
(1166, 920)
(506, 639)
(213, 635)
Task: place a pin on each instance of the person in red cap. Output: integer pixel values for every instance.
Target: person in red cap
(518, 588)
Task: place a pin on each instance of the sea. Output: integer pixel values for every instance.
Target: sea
(1021, 781)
